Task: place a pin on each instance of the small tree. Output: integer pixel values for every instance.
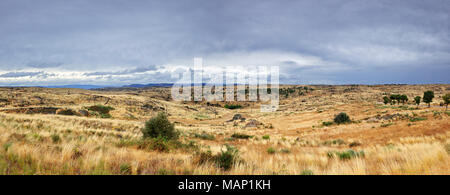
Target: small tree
(417, 100)
(341, 118)
(428, 97)
(386, 100)
(159, 126)
(403, 98)
(395, 98)
(446, 99)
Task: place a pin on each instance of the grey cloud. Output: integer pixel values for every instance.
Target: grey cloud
(44, 64)
(365, 38)
(20, 74)
(123, 72)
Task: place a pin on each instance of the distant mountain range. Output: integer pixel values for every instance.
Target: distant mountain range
(149, 85)
(104, 86)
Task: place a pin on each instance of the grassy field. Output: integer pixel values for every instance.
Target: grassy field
(74, 131)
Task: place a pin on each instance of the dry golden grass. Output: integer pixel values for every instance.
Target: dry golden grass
(300, 143)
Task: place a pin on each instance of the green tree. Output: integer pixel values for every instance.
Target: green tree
(428, 97)
(446, 99)
(159, 126)
(403, 98)
(386, 100)
(417, 100)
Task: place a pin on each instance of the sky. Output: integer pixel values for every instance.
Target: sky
(120, 42)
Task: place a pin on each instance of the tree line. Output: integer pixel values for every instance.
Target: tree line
(428, 97)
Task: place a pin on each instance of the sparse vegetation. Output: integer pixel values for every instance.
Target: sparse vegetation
(346, 155)
(204, 136)
(380, 139)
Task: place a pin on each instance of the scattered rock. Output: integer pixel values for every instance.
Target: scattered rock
(68, 112)
(237, 117)
(372, 120)
(152, 107)
(253, 123)
(83, 112)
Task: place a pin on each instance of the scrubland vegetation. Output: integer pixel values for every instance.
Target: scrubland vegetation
(317, 130)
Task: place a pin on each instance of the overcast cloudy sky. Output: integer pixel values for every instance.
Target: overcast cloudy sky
(119, 42)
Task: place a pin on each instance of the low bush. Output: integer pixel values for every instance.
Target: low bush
(100, 109)
(55, 138)
(307, 172)
(327, 123)
(346, 155)
(241, 136)
(271, 150)
(225, 160)
(232, 106)
(342, 118)
(160, 126)
(125, 169)
(204, 136)
(415, 119)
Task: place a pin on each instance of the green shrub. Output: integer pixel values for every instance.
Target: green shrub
(386, 100)
(241, 136)
(226, 159)
(327, 123)
(415, 119)
(160, 144)
(307, 172)
(285, 150)
(346, 155)
(271, 150)
(100, 109)
(159, 126)
(386, 124)
(55, 138)
(265, 137)
(105, 115)
(204, 136)
(232, 106)
(341, 118)
(125, 169)
(6, 146)
(163, 171)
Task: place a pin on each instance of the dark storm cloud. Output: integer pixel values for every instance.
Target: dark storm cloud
(355, 41)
